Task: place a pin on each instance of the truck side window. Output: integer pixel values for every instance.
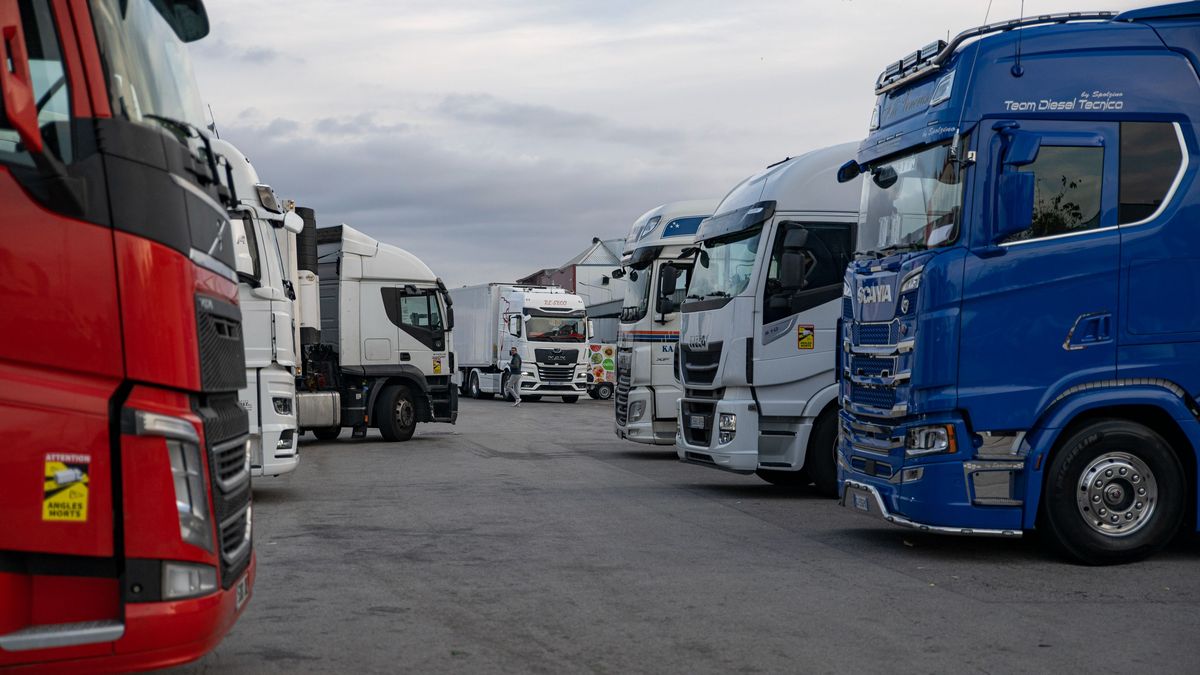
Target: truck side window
(802, 277)
(1067, 191)
(1150, 160)
(50, 89)
(417, 314)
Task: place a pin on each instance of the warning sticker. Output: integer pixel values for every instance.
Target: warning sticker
(806, 336)
(65, 491)
(437, 365)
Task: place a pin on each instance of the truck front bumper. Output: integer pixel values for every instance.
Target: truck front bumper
(277, 450)
(957, 493)
(698, 438)
(156, 635)
(642, 424)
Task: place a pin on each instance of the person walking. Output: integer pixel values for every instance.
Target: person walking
(514, 376)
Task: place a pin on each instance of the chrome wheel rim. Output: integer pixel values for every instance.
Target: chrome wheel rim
(1117, 494)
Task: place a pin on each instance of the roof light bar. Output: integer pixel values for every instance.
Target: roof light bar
(931, 57)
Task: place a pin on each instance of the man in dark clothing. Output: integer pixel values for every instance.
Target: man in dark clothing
(514, 376)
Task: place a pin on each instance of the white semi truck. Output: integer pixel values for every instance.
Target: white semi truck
(546, 324)
(260, 232)
(758, 335)
(375, 331)
(656, 272)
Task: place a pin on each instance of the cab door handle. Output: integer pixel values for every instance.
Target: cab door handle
(1089, 330)
(405, 356)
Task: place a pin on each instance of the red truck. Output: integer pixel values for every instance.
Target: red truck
(125, 510)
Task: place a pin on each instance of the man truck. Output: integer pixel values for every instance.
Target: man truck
(656, 270)
(546, 324)
(758, 335)
(125, 510)
(383, 356)
(1020, 335)
(261, 226)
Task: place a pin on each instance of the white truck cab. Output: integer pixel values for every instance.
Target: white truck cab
(546, 324)
(758, 332)
(260, 229)
(656, 269)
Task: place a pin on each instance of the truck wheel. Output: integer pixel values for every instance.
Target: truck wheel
(1114, 494)
(570, 399)
(476, 390)
(787, 479)
(604, 392)
(820, 460)
(326, 433)
(398, 414)
(593, 392)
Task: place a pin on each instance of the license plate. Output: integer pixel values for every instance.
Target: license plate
(241, 592)
(861, 503)
(696, 421)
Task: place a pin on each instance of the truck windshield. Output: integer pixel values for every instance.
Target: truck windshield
(556, 328)
(912, 201)
(149, 72)
(723, 266)
(637, 294)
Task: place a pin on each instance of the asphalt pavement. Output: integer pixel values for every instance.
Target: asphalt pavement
(532, 540)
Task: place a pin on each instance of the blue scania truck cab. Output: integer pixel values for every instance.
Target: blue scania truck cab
(1021, 323)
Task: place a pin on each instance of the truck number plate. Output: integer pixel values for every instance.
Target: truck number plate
(241, 592)
(696, 421)
(861, 503)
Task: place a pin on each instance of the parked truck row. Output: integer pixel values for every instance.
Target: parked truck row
(980, 324)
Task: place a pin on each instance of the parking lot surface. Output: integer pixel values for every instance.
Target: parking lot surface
(531, 539)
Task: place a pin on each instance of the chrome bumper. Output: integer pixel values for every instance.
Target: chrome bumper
(866, 499)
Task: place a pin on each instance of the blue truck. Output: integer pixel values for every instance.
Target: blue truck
(1021, 324)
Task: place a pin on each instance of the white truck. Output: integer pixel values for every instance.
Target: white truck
(265, 293)
(656, 270)
(758, 336)
(375, 331)
(546, 324)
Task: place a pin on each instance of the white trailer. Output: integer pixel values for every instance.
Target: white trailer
(260, 232)
(656, 272)
(547, 325)
(375, 330)
(758, 341)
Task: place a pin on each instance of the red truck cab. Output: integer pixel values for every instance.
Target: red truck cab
(125, 504)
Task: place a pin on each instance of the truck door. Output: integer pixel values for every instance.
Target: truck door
(1039, 308)
(422, 331)
(795, 325)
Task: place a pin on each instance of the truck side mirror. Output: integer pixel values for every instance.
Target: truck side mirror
(664, 304)
(1014, 204)
(289, 289)
(668, 280)
(848, 171)
(792, 270)
(242, 254)
(514, 326)
(795, 239)
(293, 223)
(16, 84)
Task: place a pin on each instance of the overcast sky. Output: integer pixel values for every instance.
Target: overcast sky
(493, 138)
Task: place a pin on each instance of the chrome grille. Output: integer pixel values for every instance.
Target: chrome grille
(875, 333)
(875, 397)
(624, 383)
(555, 373)
(872, 366)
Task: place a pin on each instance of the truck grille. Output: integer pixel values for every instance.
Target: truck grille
(702, 410)
(700, 366)
(875, 333)
(222, 354)
(872, 366)
(556, 373)
(624, 382)
(875, 397)
(556, 357)
(226, 429)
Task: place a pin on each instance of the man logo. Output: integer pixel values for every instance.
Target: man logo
(868, 295)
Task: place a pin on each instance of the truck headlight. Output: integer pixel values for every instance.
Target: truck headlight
(727, 426)
(636, 410)
(283, 405)
(285, 440)
(187, 580)
(191, 497)
(930, 440)
(911, 283)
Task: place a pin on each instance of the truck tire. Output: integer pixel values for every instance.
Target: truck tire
(784, 479)
(397, 413)
(604, 391)
(326, 433)
(820, 460)
(1114, 494)
(475, 390)
(593, 393)
(570, 399)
